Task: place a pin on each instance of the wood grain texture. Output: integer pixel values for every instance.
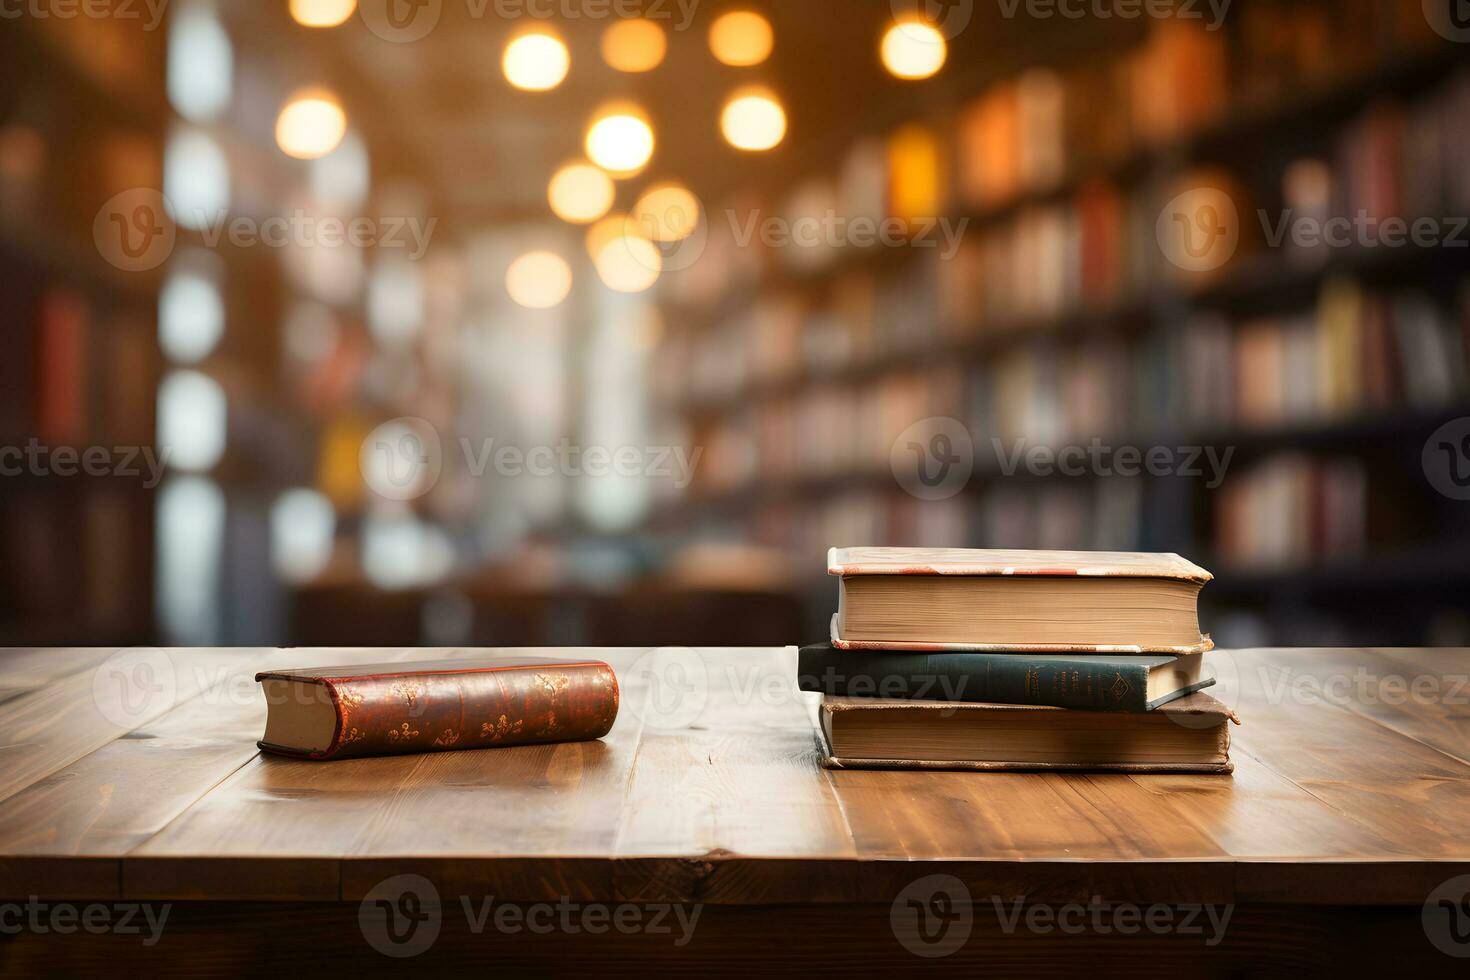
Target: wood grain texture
(708, 789)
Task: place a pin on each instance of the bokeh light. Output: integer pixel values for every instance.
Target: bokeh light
(322, 13)
(753, 120)
(580, 193)
(667, 212)
(634, 45)
(538, 280)
(311, 124)
(620, 140)
(628, 263)
(741, 38)
(536, 62)
(913, 49)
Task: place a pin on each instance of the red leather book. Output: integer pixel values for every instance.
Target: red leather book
(435, 706)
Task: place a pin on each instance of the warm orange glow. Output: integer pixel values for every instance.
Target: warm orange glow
(666, 212)
(628, 263)
(634, 45)
(913, 167)
(580, 193)
(913, 49)
(538, 280)
(536, 62)
(322, 13)
(311, 124)
(741, 38)
(753, 120)
(620, 140)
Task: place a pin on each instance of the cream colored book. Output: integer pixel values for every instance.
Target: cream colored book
(1027, 601)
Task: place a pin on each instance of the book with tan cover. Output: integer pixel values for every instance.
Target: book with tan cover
(927, 599)
(1188, 735)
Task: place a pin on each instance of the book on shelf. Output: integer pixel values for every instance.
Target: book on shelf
(992, 600)
(435, 706)
(1088, 682)
(1188, 735)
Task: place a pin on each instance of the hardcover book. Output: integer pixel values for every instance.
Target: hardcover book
(435, 706)
(1089, 682)
(1188, 735)
(1026, 601)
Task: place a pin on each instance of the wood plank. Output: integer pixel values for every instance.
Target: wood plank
(282, 828)
(52, 727)
(327, 939)
(25, 669)
(727, 772)
(1423, 694)
(1392, 785)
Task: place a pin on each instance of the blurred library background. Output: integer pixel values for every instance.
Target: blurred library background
(512, 322)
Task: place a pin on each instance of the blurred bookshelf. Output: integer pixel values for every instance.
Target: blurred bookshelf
(1059, 320)
(81, 120)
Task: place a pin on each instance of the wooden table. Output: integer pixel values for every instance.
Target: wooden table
(132, 777)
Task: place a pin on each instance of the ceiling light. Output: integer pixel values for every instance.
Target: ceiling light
(667, 212)
(580, 193)
(538, 280)
(322, 13)
(536, 62)
(634, 45)
(741, 38)
(753, 120)
(311, 124)
(620, 140)
(913, 49)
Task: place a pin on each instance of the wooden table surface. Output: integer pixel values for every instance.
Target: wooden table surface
(134, 775)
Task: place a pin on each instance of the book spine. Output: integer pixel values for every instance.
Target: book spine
(483, 709)
(996, 679)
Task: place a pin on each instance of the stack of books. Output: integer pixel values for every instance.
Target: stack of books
(998, 660)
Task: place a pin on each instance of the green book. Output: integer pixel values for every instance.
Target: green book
(1088, 682)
